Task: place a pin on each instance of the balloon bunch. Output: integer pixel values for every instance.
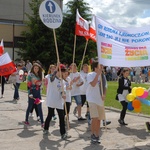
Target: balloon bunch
(137, 94)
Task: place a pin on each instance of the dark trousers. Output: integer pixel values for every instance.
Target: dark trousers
(39, 107)
(61, 119)
(16, 92)
(2, 84)
(36, 94)
(124, 109)
(68, 104)
(36, 110)
(83, 98)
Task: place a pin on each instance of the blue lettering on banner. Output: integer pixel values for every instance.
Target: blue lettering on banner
(100, 26)
(140, 40)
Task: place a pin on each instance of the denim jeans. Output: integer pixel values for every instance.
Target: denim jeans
(16, 91)
(36, 94)
(77, 99)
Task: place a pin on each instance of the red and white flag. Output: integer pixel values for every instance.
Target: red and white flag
(1, 48)
(93, 30)
(7, 67)
(82, 26)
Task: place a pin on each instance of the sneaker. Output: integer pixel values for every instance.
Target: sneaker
(107, 122)
(46, 132)
(31, 115)
(81, 119)
(147, 125)
(26, 123)
(122, 122)
(75, 110)
(54, 117)
(42, 125)
(65, 136)
(95, 139)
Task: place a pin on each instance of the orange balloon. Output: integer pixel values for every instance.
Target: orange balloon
(137, 110)
(136, 103)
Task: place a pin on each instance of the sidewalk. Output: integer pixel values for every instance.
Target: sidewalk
(14, 136)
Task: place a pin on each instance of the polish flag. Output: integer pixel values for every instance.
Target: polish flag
(1, 48)
(7, 67)
(82, 26)
(93, 30)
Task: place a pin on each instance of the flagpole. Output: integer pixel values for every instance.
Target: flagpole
(74, 48)
(84, 54)
(102, 93)
(58, 61)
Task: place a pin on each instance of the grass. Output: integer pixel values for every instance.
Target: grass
(110, 96)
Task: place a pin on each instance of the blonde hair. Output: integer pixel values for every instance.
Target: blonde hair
(50, 67)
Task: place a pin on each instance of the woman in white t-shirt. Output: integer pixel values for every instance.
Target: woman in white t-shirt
(83, 88)
(75, 92)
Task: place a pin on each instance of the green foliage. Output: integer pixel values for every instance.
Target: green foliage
(39, 43)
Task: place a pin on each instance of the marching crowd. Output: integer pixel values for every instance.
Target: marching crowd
(65, 83)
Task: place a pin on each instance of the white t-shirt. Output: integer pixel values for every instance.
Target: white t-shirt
(83, 87)
(93, 93)
(53, 97)
(75, 89)
(68, 92)
(19, 79)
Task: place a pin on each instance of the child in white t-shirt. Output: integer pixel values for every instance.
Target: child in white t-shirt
(95, 99)
(55, 100)
(68, 84)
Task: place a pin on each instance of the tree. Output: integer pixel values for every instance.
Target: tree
(67, 31)
(38, 43)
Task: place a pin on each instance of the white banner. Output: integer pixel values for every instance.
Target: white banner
(122, 47)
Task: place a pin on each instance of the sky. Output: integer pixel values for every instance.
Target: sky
(121, 13)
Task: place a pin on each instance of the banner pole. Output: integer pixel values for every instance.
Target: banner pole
(101, 84)
(58, 61)
(84, 54)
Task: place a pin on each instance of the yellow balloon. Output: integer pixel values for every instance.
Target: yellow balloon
(139, 91)
(133, 91)
(130, 97)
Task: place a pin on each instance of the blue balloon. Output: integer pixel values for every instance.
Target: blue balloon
(130, 107)
(144, 101)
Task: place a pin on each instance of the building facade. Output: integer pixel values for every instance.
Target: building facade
(12, 17)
